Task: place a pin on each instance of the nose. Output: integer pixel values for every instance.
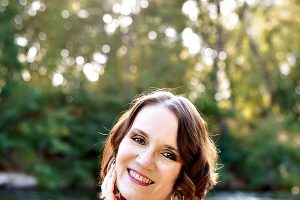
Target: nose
(146, 159)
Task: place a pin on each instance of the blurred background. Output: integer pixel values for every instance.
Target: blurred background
(68, 68)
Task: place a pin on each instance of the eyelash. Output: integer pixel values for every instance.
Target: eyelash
(140, 140)
(169, 155)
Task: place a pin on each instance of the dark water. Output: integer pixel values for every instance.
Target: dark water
(92, 195)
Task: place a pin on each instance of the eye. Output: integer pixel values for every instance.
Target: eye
(138, 139)
(169, 155)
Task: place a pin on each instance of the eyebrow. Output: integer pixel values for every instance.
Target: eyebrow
(147, 136)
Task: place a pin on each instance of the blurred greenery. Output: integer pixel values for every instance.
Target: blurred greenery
(68, 68)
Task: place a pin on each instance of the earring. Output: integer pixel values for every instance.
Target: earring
(173, 196)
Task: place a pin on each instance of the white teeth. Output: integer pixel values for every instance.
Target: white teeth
(139, 178)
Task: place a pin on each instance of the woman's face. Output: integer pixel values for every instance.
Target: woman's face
(148, 161)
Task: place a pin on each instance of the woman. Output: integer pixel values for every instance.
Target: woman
(159, 149)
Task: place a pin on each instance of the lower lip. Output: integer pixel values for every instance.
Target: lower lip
(136, 181)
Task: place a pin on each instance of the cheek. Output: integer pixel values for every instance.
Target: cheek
(171, 173)
(120, 158)
(123, 156)
(120, 165)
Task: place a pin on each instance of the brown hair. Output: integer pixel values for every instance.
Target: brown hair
(198, 174)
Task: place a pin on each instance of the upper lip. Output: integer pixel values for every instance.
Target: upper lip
(139, 173)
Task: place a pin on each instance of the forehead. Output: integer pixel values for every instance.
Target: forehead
(158, 121)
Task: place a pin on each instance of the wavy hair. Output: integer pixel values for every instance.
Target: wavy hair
(198, 174)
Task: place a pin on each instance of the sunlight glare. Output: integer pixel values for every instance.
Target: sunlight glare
(42, 36)
(227, 7)
(21, 41)
(75, 6)
(240, 3)
(209, 61)
(31, 54)
(252, 2)
(170, 32)
(229, 17)
(116, 8)
(191, 40)
(219, 96)
(213, 13)
(91, 71)
(230, 21)
(223, 92)
(152, 35)
(222, 55)
(106, 48)
(83, 14)
(57, 79)
(125, 21)
(144, 3)
(208, 52)
(278, 2)
(65, 14)
(107, 18)
(111, 27)
(100, 58)
(36, 5)
(26, 75)
(129, 6)
(125, 9)
(189, 8)
(22, 57)
(285, 69)
(64, 53)
(79, 60)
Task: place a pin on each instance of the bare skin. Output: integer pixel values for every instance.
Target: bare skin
(108, 184)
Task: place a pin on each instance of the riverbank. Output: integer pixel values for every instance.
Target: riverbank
(13, 180)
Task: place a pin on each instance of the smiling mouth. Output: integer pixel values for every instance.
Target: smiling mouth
(139, 178)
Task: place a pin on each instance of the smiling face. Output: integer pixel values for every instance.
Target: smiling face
(148, 161)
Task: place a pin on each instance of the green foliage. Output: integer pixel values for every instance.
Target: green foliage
(8, 50)
(264, 157)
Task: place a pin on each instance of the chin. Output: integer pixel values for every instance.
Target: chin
(129, 192)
